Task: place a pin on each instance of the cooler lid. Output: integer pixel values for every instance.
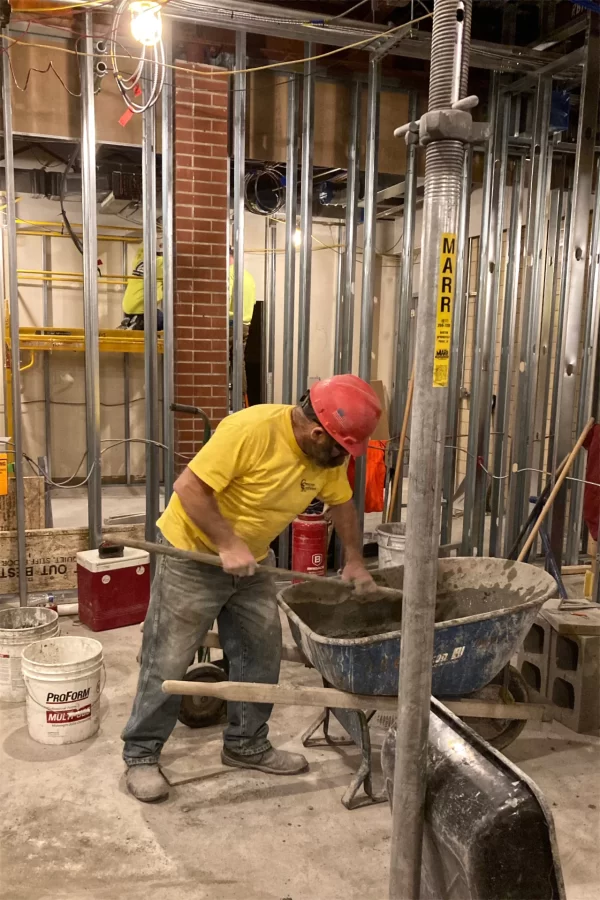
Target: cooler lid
(90, 560)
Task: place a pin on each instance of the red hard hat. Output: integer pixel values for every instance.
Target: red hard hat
(348, 409)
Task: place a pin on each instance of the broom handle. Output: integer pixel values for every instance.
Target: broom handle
(563, 474)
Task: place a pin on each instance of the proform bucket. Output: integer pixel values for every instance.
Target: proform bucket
(391, 540)
(18, 628)
(64, 680)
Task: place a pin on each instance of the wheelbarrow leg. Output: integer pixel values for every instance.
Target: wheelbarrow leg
(356, 723)
(323, 719)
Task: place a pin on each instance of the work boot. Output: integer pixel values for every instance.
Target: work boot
(146, 783)
(274, 762)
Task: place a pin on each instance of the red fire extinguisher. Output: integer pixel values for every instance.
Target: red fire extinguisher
(309, 541)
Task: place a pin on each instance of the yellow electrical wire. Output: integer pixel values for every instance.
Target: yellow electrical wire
(85, 4)
(74, 224)
(230, 72)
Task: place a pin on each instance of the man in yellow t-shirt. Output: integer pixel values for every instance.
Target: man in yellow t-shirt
(133, 298)
(262, 467)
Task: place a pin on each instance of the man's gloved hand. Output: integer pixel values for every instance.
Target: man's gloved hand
(362, 580)
(237, 558)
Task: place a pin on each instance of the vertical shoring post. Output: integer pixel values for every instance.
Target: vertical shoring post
(239, 174)
(351, 228)
(405, 289)
(501, 452)
(306, 215)
(368, 274)
(150, 316)
(450, 51)
(90, 285)
(339, 303)
(484, 367)
(530, 318)
(13, 309)
(168, 266)
(457, 348)
(126, 387)
(588, 370)
(569, 359)
(47, 322)
(289, 288)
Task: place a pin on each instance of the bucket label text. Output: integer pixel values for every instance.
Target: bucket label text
(68, 696)
(68, 716)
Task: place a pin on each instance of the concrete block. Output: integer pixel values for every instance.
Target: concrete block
(533, 659)
(574, 681)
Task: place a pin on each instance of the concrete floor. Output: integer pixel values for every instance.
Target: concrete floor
(70, 831)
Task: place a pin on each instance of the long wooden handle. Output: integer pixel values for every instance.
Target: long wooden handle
(400, 458)
(563, 474)
(208, 560)
(253, 692)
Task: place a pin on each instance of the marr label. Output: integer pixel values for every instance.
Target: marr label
(445, 303)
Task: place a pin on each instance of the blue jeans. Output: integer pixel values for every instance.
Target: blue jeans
(185, 600)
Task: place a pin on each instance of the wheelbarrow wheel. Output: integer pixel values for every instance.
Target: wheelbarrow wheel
(200, 712)
(501, 732)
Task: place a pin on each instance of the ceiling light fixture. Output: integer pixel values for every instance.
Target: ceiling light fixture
(146, 22)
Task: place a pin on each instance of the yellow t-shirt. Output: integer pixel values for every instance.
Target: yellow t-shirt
(261, 478)
(249, 295)
(133, 298)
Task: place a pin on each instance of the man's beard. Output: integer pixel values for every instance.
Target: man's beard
(325, 460)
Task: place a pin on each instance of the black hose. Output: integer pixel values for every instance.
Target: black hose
(61, 197)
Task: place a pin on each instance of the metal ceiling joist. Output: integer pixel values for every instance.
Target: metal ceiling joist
(263, 18)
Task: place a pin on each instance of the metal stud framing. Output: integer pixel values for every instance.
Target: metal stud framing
(405, 290)
(368, 279)
(239, 172)
(168, 267)
(569, 358)
(13, 306)
(150, 322)
(306, 207)
(485, 326)
(522, 444)
(90, 285)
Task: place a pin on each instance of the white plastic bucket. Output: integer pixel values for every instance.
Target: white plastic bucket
(18, 628)
(391, 541)
(64, 681)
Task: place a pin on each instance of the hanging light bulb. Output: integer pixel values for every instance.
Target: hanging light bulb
(146, 22)
(297, 238)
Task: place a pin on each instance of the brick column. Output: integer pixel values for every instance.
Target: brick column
(200, 206)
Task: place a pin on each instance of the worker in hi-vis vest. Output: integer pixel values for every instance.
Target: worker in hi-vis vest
(248, 309)
(133, 298)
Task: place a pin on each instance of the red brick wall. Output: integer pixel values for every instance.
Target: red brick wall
(200, 208)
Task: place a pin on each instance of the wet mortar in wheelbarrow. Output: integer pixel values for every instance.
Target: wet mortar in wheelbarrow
(484, 609)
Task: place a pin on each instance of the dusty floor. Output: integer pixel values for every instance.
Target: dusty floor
(70, 831)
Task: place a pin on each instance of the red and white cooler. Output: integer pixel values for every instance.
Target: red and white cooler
(113, 592)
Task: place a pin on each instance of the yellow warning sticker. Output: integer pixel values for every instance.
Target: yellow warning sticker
(445, 305)
(3, 474)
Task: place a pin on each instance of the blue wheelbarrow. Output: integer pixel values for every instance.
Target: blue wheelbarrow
(484, 609)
